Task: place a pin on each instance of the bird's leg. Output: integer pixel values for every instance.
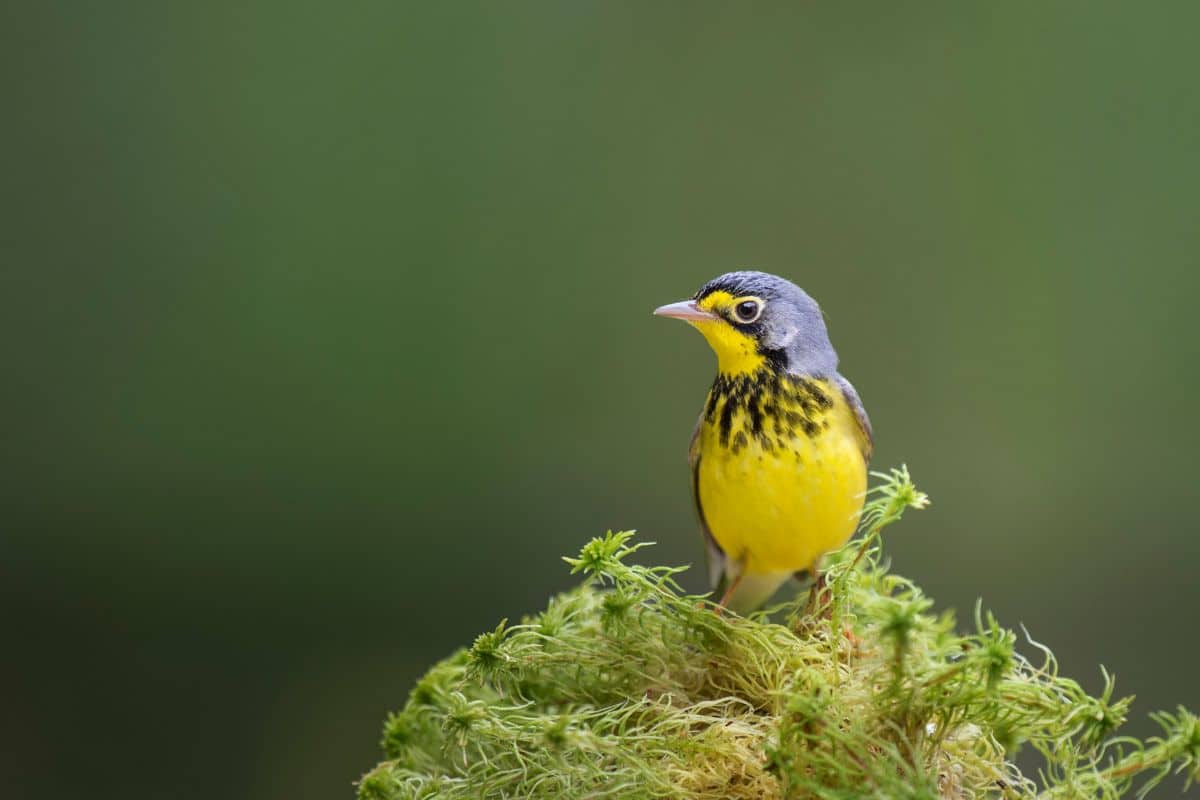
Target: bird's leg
(819, 607)
(732, 586)
(816, 593)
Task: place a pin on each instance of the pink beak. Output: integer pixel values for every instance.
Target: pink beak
(686, 310)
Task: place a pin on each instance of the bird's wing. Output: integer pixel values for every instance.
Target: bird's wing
(866, 438)
(716, 556)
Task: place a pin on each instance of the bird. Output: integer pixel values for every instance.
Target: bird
(780, 453)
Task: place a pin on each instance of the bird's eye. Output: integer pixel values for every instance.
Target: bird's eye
(748, 310)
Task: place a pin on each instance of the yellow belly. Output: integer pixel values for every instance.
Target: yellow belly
(778, 507)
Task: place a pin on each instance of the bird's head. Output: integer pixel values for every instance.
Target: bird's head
(754, 319)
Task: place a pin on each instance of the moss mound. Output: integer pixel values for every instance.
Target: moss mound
(626, 687)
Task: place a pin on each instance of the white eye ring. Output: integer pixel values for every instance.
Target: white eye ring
(748, 309)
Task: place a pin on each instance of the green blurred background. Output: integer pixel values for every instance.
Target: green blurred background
(326, 331)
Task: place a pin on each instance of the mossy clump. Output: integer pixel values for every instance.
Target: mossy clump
(626, 687)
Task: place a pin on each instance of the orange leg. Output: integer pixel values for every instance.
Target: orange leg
(816, 593)
(732, 586)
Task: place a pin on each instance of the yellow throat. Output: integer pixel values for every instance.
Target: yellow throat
(737, 353)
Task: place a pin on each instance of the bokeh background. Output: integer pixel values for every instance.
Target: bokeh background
(326, 332)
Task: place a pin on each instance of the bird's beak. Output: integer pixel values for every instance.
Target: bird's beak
(686, 310)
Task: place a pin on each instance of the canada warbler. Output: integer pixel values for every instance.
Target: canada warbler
(779, 455)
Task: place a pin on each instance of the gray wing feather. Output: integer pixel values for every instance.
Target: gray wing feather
(860, 414)
(716, 556)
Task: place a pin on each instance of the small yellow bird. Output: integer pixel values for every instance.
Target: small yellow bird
(779, 456)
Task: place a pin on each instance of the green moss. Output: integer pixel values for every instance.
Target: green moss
(626, 687)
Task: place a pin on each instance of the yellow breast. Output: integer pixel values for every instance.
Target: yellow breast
(780, 472)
